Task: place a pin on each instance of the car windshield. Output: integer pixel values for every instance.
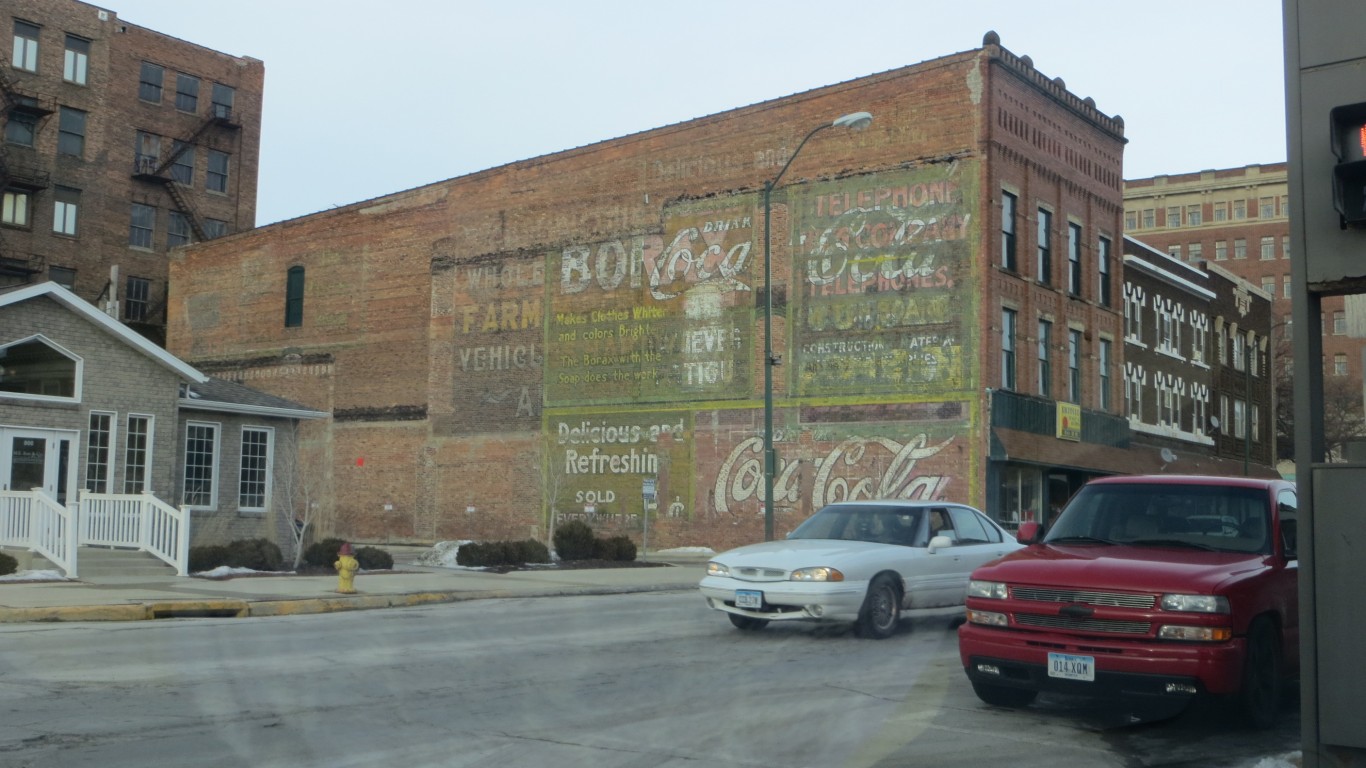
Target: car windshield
(1212, 517)
(853, 522)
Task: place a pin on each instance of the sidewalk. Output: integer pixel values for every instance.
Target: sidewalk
(133, 598)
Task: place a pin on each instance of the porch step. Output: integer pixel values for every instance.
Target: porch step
(98, 562)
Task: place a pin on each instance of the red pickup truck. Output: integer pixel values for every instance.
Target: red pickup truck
(1163, 586)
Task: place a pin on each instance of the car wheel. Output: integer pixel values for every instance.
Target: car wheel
(1261, 694)
(1002, 696)
(881, 609)
(746, 623)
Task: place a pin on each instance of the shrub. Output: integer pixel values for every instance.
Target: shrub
(574, 541)
(532, 551)
(374, 559)
(8, 564)
(323, 554)
(492, 554)
(256, 554)
(618, 548)
(207, 557)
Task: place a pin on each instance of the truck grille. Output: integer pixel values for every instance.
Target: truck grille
(1083, 625)
(1117, 599)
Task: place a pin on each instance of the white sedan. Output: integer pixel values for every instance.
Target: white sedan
(857, 561)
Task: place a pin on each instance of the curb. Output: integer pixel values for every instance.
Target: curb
(186, 609)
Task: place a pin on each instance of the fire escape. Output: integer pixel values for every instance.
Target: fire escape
(16, 265)
(155, 170)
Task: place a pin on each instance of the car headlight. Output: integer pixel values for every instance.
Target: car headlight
(1195, 603)
(717, 569)
(994, 590)
(1198, 634)
(820, 573)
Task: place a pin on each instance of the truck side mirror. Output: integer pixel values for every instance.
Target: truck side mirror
(1290, 538)
(1029, 532)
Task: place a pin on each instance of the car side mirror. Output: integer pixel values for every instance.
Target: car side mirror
(939, 542)
(1029, 532)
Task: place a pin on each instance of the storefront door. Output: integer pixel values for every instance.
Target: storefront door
(36, 458)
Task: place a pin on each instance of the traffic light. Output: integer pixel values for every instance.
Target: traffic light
(1348, 125)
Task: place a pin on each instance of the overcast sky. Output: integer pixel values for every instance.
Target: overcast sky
(368, 98)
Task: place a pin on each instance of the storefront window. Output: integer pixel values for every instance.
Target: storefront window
(1021, 495)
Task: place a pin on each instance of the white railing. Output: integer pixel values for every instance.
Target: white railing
(137, 520)
(32, 520)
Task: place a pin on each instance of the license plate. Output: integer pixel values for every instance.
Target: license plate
(1070, 667)
(748, 598)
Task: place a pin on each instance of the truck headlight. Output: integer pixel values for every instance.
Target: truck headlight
(994, 590)
(1195, 603)
(989, 618)
(816, 574)
(716, 569)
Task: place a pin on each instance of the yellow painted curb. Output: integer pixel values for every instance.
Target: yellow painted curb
(130, 612)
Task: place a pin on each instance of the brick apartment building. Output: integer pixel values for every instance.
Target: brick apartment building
(119, 144)
(528, 344)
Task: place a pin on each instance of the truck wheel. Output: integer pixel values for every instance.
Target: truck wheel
(746, 623)
(881, 610)
(1261, 694)
(1002, 696)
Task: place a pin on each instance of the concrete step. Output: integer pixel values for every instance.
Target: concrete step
(98, 562)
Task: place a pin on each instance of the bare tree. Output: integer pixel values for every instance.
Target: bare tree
(1344, 418)
(299, 484)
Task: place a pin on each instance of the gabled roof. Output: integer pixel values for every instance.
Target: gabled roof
(116, 329)
(230, 397)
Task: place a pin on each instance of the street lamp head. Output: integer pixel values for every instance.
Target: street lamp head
(855, 120)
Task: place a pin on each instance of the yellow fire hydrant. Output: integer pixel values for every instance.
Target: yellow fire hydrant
(346, 566)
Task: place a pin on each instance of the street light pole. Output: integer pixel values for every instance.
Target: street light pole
(855, 120)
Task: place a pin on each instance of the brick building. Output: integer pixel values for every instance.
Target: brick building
(531, 343)
(120, 143)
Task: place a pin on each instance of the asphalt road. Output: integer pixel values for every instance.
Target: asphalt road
(604, 681)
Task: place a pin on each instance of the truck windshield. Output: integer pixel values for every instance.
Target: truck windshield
(1217, 518)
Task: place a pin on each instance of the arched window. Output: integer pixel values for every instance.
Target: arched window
(294, 298)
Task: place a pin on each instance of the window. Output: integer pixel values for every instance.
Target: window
(1133, 318)
(1198, 420)
(1074, 259)
(1268, 207)
(177, 229)
(77, 60)
(201, 466)
(1193, 215)
(1239, 419)
(1008, 205)
(34, 367)
(1239, 351)
(1220, 250)
(1285, 205)
(1174, 251)
(1103, 264)
(148, 151)
(66, 205)
(215, 228)
(1340, 364)
(71, 132)
(1239, 210)
(1149, 218)
(1197, 343)
(25, 46)
(1268, 248)
(1256, 424)
(186, 93)
(21, 128)
(1008, 348)
(98, 439)
(137, 454)
(222, 98)
(1133, 396)
(1045, 260)
(182, 168)
(1173, 216)
(1221, 211)
(1240, 249)
(137, 291)
(1339, 323)
(1225, 425)
(149, 82)
(294, 297)
(1269, 284)
(1166, 333)
(63, 276)
(1195, 251)
(1074, 365)
(15, 209)
(1130, 220)
(217, 180)
(1045, 367)
(144, 218)
(1285, 283)
(1285, 246)
(1104, 374)
(254, 478)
